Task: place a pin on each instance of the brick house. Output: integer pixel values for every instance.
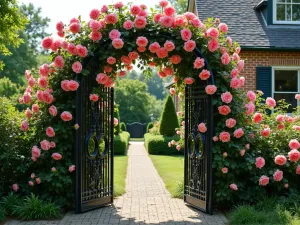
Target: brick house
(269, 34)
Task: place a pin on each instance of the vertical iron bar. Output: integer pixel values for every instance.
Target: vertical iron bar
(112, 143)
(186, 124)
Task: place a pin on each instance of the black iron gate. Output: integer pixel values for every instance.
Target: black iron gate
(198, 148)
(94, 146)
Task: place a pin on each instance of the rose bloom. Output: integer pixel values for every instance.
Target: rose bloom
(27, 98)
(113, 34)
(204, 75)
(226, 97)
(235, 83)
(294, 144)
(77, 67)
(72, 85)
(126, 60)
(298, 170)
(264, 180)
(172, 91)
(111, 18)
(35, 152)
(178, 147)
(166, 21)
(224, 136)
(163, 3)
(224, 110)
(71, 168)
(154, 47)
(199, 63)
(35, 108)
(250, 108)
(225, 59)
(66, 116)
(162, 53)
(122, 74)
(116, 121)
(224, 170)
(189, 46)
(188, 80)
(169, 45)
(212, 32)
(259, 162)
(52, 144)
(133, 55)
(141, 49)
(44, 70)
(242, 152)
(280, 160)
(265, 132)
(15, 187)
(279, 118)
(141, 41)
(210, 89)
(238, 133)
(278, 175)
(31, 81)
(294, 155)
(233, 187)
(45, 145)
(186, 34)
(94, 14)
(59, 62)
(81, 51)
(230, 123)
(47, 42)
(30, 183)
(202, 128)
(72, 49)
(251, 96)
(213, 45)
(215, 138)
(271, 102)
(52, 110)
(43, 83)
(162, 74)
(169, 71)
(140, 22)
(38, 180)
(95, 36)
(196, 22)
(95, 25)
(157, 17)
(257, 118)
(24, 125)
(135, 10)
(241, 64)
(234, 72)
(28, 113)
(236, 57)
(223, 27)
(225, 154)
(50, 132)
(74, 27)
(56, 156)
(169, 10)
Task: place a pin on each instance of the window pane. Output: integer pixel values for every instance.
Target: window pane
(289, 98)
(288, 12)
(286, 80)
(296, 12)
(296, 1)
(281, 12)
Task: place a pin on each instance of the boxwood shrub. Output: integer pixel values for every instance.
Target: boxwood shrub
(121, 142)
(158, 145)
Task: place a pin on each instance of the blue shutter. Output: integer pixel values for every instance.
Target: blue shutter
(264, 80)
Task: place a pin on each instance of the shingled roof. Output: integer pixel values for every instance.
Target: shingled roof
(247, 26)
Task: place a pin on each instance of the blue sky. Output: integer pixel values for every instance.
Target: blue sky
(64, 10)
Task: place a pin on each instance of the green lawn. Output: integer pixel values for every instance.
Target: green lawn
(120, 171)
(136, 139)
(170, 169)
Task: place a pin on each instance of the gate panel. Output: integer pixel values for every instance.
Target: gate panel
(198, 148)
(94, 146)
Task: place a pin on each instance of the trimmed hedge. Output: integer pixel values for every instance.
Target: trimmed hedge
(149, 126)
(168, 120)
(121, 143)
(123, 126)
(158, 145)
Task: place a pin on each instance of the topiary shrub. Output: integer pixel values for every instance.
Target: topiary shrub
(117, 115)
(169, 120)
(149, 126)
(121, 143)
(158, 145)
(123, 126)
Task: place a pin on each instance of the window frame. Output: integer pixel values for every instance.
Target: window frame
(294, 68)
(275, 21)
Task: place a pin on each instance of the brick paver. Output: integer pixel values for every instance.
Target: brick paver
(146, 201)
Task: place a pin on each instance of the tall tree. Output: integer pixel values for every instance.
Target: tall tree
(24, 57)
(11, 22)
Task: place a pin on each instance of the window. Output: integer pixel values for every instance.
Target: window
(286, 11)
(286, 83)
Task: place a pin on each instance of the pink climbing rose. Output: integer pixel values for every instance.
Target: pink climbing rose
(224, 136)
(52, 110)
(278, 175)
(264, 180)
(271, 102)
(210, 89)
(71, 168)
(186, 34)
(238, 133)
(251, 96)
(56, 156)
(233, 187)
(226, 97)
(259, 162)
(15, 187)
(202, 127)
(24, 125)
(265, 132)
(294, 155)
(50, 132)
(45, 145)
(94, 97)
(280, 160)
(294, 144)
(257, 118)
(189, 46)
(199, 63)
(66, 116)
(204, 75)
(224, 170)
(224, 110)
(230, 123)
(77, 67)
(116, 121)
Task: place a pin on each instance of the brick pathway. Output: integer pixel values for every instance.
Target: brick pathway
(146, 201)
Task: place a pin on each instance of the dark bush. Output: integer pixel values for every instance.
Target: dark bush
(123, 126)
(117, 115)
(158, 145)
(169, 120)
(149, 126)
(121, 142)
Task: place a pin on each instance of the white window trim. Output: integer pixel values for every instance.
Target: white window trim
(275, 21)
(285, 68)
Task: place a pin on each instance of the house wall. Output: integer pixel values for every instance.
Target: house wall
(265, 58)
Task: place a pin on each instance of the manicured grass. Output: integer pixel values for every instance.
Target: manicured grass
(120, 171)
(136, 139)
(266, 212)
(170, 169)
